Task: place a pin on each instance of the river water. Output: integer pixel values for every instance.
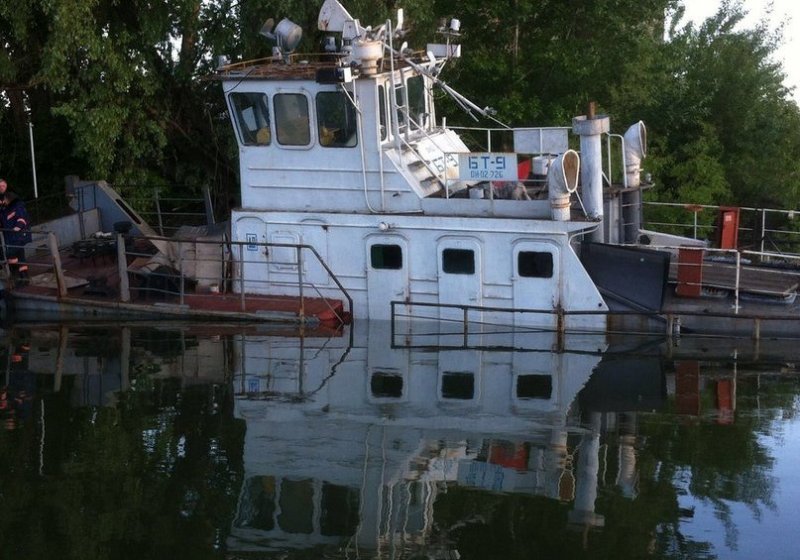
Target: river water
(203, 441)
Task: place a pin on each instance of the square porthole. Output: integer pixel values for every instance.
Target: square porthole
(386, 257)
(458, 261)
(458, 385)
(534, 386)
(535, 264)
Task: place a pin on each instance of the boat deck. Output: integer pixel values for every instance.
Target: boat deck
(758, 280)
(93, 291)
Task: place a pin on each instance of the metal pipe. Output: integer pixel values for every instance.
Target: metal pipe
(33, 162)
(241, 275)
(590, 131)
(208, 206)
(158, 213)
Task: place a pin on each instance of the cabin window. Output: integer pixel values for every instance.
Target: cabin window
(382, 111)
(386, 257)
(336, 120)
(534, 386)
(251, 113)
(416, 100)
(291, 119)
(458, 385)
(535, 264)
(458, 261)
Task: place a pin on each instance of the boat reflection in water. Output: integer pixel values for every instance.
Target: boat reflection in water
(378, 442)
(359, 442)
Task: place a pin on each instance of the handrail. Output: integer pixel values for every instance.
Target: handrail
(183, 266)
(265, 244)
(760, 218)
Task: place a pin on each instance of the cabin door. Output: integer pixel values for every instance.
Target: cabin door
(250, 255)
(536, 279)
(460, 278)
(387, 276)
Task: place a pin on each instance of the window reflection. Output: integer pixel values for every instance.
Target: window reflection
(386, 385)
(339, 515)
(534, 386)
(297, 506)
(458, 385)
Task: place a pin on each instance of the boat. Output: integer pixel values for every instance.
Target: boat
(359, 200)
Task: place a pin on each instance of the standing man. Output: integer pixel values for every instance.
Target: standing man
(16, 232)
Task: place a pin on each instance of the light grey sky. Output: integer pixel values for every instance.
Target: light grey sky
(786, 12)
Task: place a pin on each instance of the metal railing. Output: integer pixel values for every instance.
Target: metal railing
(194, 271)
(230, 279)
(167, 214)
(771, 232)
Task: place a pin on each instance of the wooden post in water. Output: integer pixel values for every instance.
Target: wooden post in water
(52, 244)
(122, 268)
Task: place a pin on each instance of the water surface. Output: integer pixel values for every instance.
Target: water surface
(155, 441)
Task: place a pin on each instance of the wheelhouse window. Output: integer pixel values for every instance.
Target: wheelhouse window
(416, 100)
(535, 264)
(251, 112)
(291, 119)
(458, 261)
(400, 104)
(386, 257)
(382, 109)
(336, 120)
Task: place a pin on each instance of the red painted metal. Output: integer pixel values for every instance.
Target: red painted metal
(728, 228)
(690, 272)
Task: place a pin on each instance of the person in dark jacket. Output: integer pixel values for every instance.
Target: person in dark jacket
(15, 224)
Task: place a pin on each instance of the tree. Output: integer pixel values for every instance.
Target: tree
(116, 90)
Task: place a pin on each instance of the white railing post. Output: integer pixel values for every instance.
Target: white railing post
(241, 275)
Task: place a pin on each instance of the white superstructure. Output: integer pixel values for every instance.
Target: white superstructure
(345, 152)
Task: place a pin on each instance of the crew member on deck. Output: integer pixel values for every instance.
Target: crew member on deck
(15, 224)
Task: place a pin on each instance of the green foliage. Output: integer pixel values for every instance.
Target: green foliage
(115, 90)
